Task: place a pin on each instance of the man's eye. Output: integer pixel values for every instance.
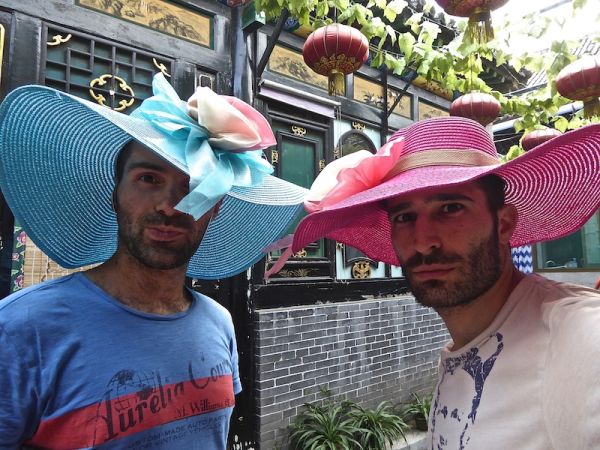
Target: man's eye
(147, 178)
(452, 208)
(402, 218)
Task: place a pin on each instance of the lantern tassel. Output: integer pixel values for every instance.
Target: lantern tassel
(591, 107)
(337, 85)
(479, 29)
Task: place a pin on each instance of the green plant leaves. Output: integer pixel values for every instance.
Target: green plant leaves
(393, 9)
(383, 425)
(345, 426)
(561, 124)
(458, 65)
(406, 43)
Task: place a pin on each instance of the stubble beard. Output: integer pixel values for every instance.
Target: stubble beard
(479, 271)
(157, 255)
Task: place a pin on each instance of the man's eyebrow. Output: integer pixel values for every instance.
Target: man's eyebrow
(398, 207)
(442, 197)
(145, 165)
(448, 196)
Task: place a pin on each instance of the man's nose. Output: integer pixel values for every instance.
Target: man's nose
(426, 236)
(170, 196)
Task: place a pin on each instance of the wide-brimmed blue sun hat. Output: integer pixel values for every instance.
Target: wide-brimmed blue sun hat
(57, 166)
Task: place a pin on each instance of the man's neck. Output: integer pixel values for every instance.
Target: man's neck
(142, 288)
(466, 322)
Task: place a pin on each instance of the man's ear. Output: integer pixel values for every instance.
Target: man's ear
(507, 222)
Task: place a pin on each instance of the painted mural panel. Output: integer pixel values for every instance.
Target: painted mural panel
(159, 15)
(291, 64)
(427, 111)
(371, 93)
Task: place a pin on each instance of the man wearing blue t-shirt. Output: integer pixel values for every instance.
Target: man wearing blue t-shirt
(123, 355)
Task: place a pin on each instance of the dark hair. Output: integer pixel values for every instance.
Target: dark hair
(122, 160)
(493, 187)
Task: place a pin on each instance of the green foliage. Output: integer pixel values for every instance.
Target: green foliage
(456, 66)
(324, 427)
(345, 426)
(419, 406)
(513, 152)
(383, 425)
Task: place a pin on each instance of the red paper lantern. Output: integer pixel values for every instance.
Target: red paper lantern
(482, 108)
(479, 14)
(537, 137)
(580, 80)
(335, 51)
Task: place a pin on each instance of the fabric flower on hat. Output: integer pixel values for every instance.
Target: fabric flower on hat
(231, 123)
(219, 138)
(352, 174)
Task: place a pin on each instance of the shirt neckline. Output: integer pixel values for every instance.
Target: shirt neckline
(82, 278)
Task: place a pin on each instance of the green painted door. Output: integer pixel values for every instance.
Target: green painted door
(298, 159)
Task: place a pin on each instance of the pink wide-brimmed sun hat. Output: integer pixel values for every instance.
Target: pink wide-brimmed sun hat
(555, 187)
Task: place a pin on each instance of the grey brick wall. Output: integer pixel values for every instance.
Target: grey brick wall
(367, 351)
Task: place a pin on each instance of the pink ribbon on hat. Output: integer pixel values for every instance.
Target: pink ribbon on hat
(352, 174)
(339, 180)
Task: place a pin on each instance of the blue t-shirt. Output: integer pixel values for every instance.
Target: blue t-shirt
(78, 369)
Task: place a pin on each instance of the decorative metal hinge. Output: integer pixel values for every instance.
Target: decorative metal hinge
(101, 81)
(274, 157)
(298, 131)
(361, 270)
(336, 153)
(322, 164)
(301, 254)
(296, 273)
(57, 39)
(161, 67)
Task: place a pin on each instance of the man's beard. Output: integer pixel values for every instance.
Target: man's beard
(156, 254)
(479, 271)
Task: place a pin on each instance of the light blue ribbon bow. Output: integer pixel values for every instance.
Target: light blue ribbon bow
(213, 172)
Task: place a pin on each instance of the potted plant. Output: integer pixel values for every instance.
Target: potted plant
(324, 427)
(383, 425)
(419, 409)
(345, 425)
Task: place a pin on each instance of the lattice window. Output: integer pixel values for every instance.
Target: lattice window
(110, 74)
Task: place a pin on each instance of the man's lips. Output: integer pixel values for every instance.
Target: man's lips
(164, 234)
(431, 271)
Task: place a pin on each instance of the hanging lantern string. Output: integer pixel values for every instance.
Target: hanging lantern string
(471, 58)
(337, 123)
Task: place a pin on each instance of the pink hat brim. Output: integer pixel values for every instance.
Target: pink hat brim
(555, 188)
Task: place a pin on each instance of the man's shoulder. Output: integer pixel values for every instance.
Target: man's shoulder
(39, 295)
(551, 291)
(564, 306)
(211, 306)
